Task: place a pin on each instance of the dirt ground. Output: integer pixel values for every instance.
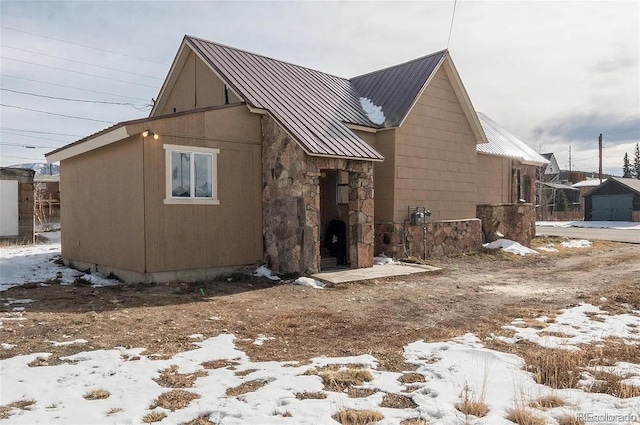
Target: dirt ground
(472, 293)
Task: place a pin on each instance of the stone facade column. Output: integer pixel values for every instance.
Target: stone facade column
(361, 207)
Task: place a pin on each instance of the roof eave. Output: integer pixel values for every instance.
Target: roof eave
(88, 144)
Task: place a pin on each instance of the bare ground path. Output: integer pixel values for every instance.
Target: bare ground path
(474, 293)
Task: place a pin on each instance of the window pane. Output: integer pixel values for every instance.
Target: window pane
(202, 173)
(180, 174)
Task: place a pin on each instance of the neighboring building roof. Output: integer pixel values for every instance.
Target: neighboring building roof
(503, 143)
(559, 186)
(552, 167)
(589, 182)
(396, 88)
(629, 183)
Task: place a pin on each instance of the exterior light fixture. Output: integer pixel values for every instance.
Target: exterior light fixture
(150, 133)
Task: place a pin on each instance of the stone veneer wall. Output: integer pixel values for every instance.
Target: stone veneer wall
(291, 204)
(25, 200)
(515, 221)
(399, 240)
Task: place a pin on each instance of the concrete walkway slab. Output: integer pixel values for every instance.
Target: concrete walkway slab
(377, 271)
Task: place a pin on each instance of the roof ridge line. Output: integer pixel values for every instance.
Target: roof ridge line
(264, 56)
(446, 51)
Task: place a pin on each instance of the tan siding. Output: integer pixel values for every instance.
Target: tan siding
(181, 237)
(384, 176)
(493, 179)
(196, 87)
(102, 209)
(436, 156)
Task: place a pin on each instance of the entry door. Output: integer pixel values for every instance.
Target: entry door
(8, 208)
(612, 207)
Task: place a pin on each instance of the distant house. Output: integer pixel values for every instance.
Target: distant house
(616, 199)
(16, 204)
(247, 159)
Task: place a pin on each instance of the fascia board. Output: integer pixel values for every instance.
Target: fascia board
(105, 139)
(169, 81)
(463, 96)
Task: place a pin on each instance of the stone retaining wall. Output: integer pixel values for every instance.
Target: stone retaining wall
(437, 238)
(514, 221)
(291, 204)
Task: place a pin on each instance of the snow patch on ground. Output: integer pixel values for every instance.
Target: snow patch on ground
(307, 281)
(264, 271)
(383, 259)
(576, 243)
(510, 246)
(262, 338)
(582, 324)
(625, 225)
(448, 368)
(374, 112)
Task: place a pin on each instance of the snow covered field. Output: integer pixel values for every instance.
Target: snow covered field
(623, 225)
(126, 385)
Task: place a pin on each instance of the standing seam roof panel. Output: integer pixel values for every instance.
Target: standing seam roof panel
(334, 133)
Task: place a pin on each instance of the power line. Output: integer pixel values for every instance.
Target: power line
(53, 113)
(33, 137)
(39, 132)
(78, 72)
(72, 87)
(77, 61)
(25, 146)
(83, 45)
(76, 100)
(455, 2)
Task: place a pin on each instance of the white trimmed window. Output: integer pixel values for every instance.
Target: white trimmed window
(191, 175)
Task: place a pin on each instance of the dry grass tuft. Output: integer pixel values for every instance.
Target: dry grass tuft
(153, 417)
(218, 364)
(318, 395)
(554, 333)
(245, 372)
(246, 387)
(411, 378)
(174, 400)
(570, 420)
(114, 410)
(97, 395)
(471, 405)
(200, 420)
(24, 404)
(611, 383)
(547, 402)
(522, 417)
(354, 392)
(170, 378)
(414, 421)
(396, 401)
(285, 414)
(411, 388)
(341, 379)
(357, 417)
(556, 368)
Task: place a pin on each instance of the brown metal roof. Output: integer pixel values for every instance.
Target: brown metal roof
(396, 88)
(311, 105)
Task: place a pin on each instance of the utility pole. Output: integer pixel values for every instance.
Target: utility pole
(600, 156)
(570, 164)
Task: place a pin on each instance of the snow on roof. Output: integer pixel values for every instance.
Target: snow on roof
(374, 112)
(503, 143)
(589, 182)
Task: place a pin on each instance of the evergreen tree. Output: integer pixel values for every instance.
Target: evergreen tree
(562, 204)
(626, 167)
(636, 162)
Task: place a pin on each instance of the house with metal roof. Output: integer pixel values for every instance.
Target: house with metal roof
(246, 159)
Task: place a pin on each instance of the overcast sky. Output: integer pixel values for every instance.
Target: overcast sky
(555, 74)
